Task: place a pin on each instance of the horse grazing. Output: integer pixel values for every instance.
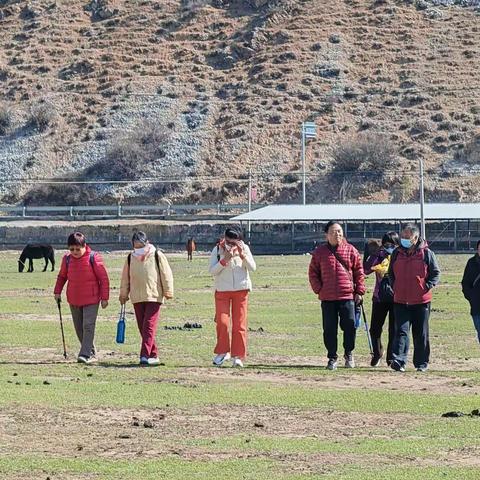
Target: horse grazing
(36, 251)
(191, 247)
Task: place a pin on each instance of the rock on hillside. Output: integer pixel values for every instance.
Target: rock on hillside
(193, 89)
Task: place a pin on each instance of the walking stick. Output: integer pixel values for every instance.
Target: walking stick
(61, 328)
(370, 344)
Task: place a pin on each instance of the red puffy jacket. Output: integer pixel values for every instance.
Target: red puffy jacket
(329, 280)
(87, 283)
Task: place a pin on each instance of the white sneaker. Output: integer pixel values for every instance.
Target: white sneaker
(220, 358)
(349, 361)
(153, 362)
(237, 362)
(86, 360)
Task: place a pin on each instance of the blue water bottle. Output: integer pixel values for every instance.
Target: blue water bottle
(358, 316)
(121, 326)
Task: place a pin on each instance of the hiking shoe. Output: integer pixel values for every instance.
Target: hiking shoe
(397, 366)
(143, 361)
(220, 358)
(375, 361)
(237, 362)
(153, 362)
(423, 368)
(332, 364)
(86, 360)
(349, 361)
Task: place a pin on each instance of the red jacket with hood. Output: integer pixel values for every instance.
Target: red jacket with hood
(87, 284)
(329, 279)
(413, 274)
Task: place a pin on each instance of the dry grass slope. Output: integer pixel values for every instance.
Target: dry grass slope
(230, 82)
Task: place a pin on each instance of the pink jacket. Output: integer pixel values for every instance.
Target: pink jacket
(87, 284)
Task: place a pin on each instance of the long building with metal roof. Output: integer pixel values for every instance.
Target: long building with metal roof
(362, 212)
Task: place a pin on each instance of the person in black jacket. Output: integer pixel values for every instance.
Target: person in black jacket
(471, 287)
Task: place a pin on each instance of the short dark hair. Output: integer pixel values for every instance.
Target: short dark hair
(140, 237)
(234, 232)
(329, 224)
(478, 244)
(76, 239)
(391, 237)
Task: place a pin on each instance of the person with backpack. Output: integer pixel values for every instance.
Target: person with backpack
(336, 277)
(471, 287)
(147, 280)
(230, 264)
(377, 262)
(412, 273)
(88, 286)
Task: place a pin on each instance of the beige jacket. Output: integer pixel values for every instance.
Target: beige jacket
(143, 282)
(234, 275)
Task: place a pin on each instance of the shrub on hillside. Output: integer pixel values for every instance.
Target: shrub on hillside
(368, 152)
(132, 155)
(41, 116)
(6, 119)
(471, 152)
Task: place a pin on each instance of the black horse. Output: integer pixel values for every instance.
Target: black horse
(36, 251)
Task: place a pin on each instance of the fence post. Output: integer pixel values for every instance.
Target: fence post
(455, 236)
(119, 211)
(24, 211)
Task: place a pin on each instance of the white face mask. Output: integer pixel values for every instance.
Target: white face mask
(140, 251)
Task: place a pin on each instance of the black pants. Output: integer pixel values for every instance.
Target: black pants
(332, 311)
(417, 316)
(380, 310)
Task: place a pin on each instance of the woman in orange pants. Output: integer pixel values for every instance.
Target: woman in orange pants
(230, 264)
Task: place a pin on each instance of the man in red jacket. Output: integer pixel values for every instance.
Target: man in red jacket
(336, 276)
(413, 272)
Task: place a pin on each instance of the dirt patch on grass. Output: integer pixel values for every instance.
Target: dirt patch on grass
(197, 434)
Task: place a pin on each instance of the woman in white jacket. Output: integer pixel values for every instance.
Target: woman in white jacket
(230, 264)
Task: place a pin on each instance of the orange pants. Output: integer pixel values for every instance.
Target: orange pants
(238, 302)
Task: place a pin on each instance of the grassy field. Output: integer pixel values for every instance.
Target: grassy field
(282, 417)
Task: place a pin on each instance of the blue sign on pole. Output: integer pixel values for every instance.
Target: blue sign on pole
(309, 130)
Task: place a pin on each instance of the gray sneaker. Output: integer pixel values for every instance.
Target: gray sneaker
(332, 364)
(349, 361)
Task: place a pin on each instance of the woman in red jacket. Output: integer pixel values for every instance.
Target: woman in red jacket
(87, 287)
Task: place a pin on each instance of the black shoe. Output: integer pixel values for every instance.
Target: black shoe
(332, 364)
(397, 366)
(422, 368)
(375, 361)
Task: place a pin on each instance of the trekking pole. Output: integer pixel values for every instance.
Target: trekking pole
(370, 344)
(59, 301)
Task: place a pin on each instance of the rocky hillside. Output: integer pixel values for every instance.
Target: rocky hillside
(201, 91)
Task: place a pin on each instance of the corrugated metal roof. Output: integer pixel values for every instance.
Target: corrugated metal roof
(360, 212)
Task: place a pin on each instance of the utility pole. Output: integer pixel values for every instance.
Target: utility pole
(249, 201)
(422, 201)
(309, 130)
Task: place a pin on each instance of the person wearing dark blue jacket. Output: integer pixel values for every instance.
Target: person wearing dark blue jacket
(471, 287)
